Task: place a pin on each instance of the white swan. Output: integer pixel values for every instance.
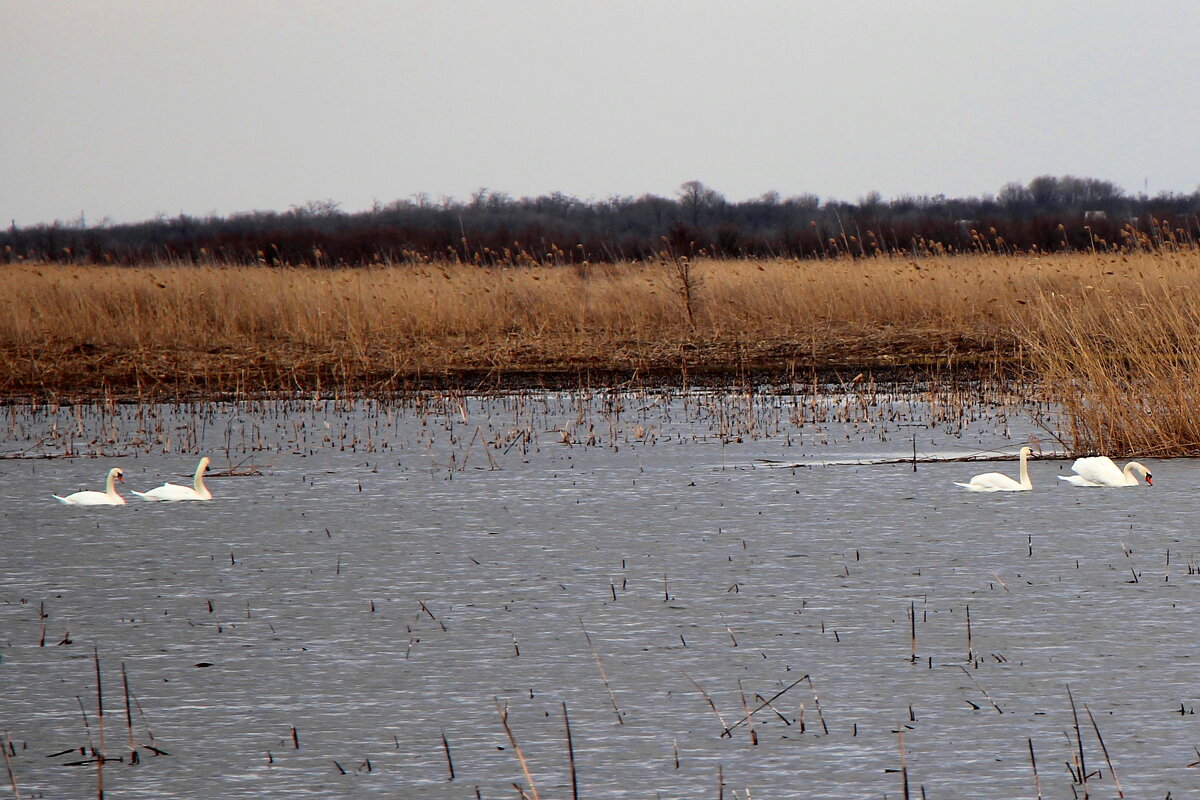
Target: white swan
(172, 492)
(108, 497)
(998, 482)
(1102, 471)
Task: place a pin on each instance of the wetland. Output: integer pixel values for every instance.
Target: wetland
(719, 593)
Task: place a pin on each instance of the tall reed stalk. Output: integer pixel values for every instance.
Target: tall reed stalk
(1121, 357)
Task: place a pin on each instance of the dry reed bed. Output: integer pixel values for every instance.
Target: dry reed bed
(1122, 362)
(1112, 335)
(458, 315)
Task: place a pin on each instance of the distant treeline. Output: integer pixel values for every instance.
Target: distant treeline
(1048, 214)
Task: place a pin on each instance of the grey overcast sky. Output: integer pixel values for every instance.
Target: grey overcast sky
(128, 109)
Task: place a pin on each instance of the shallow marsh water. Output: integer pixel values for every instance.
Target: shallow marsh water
(394, 575)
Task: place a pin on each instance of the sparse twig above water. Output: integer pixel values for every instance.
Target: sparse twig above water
(603, 676)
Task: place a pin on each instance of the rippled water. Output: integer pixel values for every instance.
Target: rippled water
(386, 581)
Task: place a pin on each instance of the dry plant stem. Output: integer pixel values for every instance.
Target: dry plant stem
(709, 700)
(603, 677)
(728, 630)
(133, 754)
(903, 764)
(912, 615)
(778, 713)
(1104, 749)
(749, 717)
(449, 760)
(149, 733)
(12, 779)
(86, 725)
(571, 753)
(767, 703)
(516, 748)
(425, 608)
(1083, 775)
(816, 704)
(1037, 781)
(100, 725)
(982, 691)
(970, 643)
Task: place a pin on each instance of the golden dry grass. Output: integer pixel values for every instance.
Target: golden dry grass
(1121, 357)
(214, 329)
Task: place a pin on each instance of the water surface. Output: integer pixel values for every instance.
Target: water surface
(396, 575)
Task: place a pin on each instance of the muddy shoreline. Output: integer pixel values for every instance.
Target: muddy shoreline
(88, 372)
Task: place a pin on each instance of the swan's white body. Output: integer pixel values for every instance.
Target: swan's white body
(1103, 471)
(173, 492)
(108, 497)
(998, 482)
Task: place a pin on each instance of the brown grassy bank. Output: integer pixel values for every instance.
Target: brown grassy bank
(163, 330)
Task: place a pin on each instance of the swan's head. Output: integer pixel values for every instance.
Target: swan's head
(1026, 452)
(203, 465)
(119, 474)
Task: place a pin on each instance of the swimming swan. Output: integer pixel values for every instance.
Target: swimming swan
(172, 492)
(108, 497)
(1102, 471)
(997, 482)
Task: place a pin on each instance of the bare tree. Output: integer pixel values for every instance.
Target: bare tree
(695, 198)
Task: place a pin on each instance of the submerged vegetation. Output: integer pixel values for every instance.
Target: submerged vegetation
(1109, 336)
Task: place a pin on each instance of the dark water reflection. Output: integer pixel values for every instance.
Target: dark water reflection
(374, 594)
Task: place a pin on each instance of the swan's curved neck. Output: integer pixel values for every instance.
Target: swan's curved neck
(198, 481)
(110, 485)
(1025, 469)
